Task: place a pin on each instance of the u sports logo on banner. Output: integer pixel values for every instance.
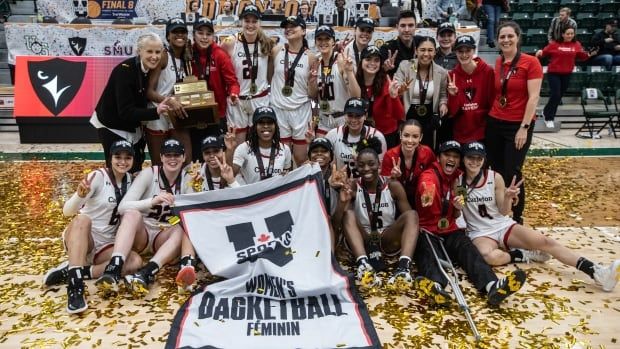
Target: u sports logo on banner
(56, 82)
(273, 245)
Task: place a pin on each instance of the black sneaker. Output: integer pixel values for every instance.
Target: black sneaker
(506, 286)
(432, 290)
(76, 301)
(57, 275)
(140, 281)
(108, 282)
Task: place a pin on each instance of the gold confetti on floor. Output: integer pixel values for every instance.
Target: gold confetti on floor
(559, 307)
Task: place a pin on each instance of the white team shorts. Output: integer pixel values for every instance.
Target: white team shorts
(159, 126)
(152, 228)
(101, 242)
(500, 235)
(328, 122)
(294, 123)
(240, 115)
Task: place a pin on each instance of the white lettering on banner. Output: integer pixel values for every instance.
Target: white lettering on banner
(287, 291)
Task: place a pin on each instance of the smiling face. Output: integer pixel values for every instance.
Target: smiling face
(250, 25)
(367, 165)
(568, 35)
(371, 65)
(465, 55)
(363, 36)
(508, 39)
(447, 39)
(355, 122)
(210, 155)
(324, 43)
(320, 155)
(410, 137)
(203, 36)
(122, 162)
(172, 162)
(266, 128)
(178, 37)
(449, 161)
(150, 54)
(426, 52)
(473, 163)
(293, 32)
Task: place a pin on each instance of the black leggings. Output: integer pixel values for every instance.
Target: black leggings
(504, 158)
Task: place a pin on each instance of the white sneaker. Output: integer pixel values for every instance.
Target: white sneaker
(367, 276)
(608, 276)
(535, 256)
(549, 124)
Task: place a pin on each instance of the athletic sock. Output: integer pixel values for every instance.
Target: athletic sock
(151, 267)
(586, 266)
(362, 259)
(75, 276)
(489, 285)
(404, 262)
(87, 272)
(515, 255)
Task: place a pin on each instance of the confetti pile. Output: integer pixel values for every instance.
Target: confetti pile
(559, 307)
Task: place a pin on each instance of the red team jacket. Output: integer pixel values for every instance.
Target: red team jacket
(472, 103)
(222, 79)
(425, 157)
(429, 216)
(562, 56)
(386, 111)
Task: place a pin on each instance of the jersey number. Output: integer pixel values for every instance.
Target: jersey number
(247, 63)
(160, 213)
(482, 211)
(327, 92)
(115, 216)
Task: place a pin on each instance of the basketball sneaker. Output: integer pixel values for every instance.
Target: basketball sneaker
(108, 282)
(366, 275)
(400, 275)
(608, 276)
(57, 275)
(432, 290)
(506, 286)
(140, 282)
(76, 301)
(535, 256)
(186, 278)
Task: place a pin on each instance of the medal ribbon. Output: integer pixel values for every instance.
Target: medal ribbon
(445, 197)
(405, 180)
(473, 184)
(289, 74)
(373, 210)
(261, 166)
(118, 192)
(253, 59)
(210, 179)
(204, 72)
(167, 187)
(505, 78)
(423, 85)
(183, 73)
(326, 71)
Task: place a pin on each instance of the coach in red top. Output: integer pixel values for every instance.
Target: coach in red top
(438, 206)
(210, 62)
(510, 125)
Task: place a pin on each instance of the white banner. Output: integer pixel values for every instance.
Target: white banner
(283, 289)
(27, 39)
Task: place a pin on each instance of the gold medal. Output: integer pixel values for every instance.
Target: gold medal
(503, 101)
(253, 88)
(421, 110)
(324, 106)
(287, 90)
(375, 238)
(461, 191)
(443, 223)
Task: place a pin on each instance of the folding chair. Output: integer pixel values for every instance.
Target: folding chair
(602, 79)
(598, 114)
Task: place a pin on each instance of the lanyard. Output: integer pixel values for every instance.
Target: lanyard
(253, 59)
(167, 187)
(118, 192)
(261, 166)
(326, 72)
(327, 190)
(356, 53)
(289, 74)
(210, 179)
(370, 97)
(511, 71)
(204, 72)
(445, 197)
(423, 85)
(345, 136)
(473, 184)
(141, 77)
(403, 168)
(174, 65)
(373, 210)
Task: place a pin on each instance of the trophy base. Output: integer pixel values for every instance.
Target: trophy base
(198, 118)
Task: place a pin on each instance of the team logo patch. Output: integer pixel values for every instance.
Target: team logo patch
(56, 82)
(273, 245)
(78, 45)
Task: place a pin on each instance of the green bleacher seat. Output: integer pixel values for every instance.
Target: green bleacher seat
(616, 70)
(584, 36)
(529, 49)
(609, 5)
(587, 6)
(527, 6)
(587, 20)
(548, 6)
(578, 80)
(537, 37)
(603, 17)
(602, 79)
(524, 19)
(572, 4)
(541, 20)
(544, 89)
